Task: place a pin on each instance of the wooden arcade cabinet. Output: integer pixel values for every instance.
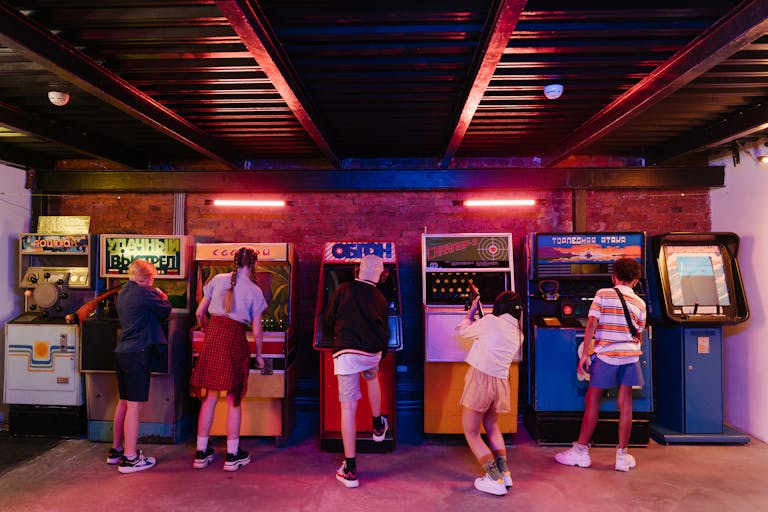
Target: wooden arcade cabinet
(165, 417)
(268, 408)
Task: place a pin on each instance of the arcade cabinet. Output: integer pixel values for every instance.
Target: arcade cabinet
(269, 406)
(43, 383)
(450, 263)
(164, 419)
(564, 272)
(339, 263)
(696, 289)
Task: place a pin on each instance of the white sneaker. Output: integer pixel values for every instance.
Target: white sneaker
(381, 433)
(348, 478)
(624, 462)
(140, 463)
(574, 457)
(491, 486)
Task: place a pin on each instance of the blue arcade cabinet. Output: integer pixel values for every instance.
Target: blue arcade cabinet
(565, 270)
(695, 288)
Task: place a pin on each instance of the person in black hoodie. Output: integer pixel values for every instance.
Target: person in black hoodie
(357, 319)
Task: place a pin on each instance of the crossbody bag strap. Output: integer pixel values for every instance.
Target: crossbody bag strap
(632, 327)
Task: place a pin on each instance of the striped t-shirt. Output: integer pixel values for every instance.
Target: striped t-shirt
(613, 340)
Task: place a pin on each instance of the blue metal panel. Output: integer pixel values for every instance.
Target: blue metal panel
(703, 381)
(557, 388)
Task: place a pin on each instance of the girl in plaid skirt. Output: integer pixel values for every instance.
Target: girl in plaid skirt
(230, 302)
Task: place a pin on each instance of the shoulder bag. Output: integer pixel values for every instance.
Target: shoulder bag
(632, 327)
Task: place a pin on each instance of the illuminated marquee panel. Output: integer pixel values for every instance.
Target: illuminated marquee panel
(226, 251)
(343, 252)
(583, 254)
(168, 253)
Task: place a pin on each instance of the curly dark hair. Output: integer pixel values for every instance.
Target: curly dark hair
(627, 269)
(507, 302)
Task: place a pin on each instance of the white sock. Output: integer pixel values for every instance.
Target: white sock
(232, 445)
(581, 447)
(621, 451)
(202, 443)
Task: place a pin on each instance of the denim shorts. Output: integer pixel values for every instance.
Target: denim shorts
(605, 376)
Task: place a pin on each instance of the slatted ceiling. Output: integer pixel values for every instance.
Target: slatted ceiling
(388, 81)
(705, 102)
(380, 82)
(597, 54)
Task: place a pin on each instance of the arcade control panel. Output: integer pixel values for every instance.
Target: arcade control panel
(54, 291)
(76, 277)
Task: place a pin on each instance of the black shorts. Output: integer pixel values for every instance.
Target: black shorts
(133, 375)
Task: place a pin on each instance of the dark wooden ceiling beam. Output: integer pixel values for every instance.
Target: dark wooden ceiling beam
(502, 25)
(248, 20)
(737, 29)
(742, 124)
(25, 36)
(87, 143)
(295, 181)
(14, 156)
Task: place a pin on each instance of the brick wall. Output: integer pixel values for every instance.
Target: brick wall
(316, 218)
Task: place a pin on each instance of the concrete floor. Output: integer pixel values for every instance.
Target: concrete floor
(418, 476)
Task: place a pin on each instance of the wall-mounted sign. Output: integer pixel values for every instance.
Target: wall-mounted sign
(166, 253)
(64, 224)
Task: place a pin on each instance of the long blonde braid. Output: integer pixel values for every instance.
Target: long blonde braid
(243, 257)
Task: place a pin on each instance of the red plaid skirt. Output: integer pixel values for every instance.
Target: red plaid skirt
(223, 362)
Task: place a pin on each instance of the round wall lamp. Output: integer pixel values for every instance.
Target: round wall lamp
(553, 91)
(58, 98)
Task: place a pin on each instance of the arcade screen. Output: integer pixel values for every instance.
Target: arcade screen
(274, 279)
(587, 254)
(175, 290)
(697, 276)
(335, 275)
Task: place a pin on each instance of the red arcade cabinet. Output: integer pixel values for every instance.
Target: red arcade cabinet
(339, 264)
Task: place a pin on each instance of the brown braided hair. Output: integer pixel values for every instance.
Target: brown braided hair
(244, 257)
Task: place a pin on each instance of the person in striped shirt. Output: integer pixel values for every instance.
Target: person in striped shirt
(612, 361)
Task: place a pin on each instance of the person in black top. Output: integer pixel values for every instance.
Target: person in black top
(357, 319)
(141, 309)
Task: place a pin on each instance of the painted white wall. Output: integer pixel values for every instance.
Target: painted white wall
(741, 207)
(15, 214)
